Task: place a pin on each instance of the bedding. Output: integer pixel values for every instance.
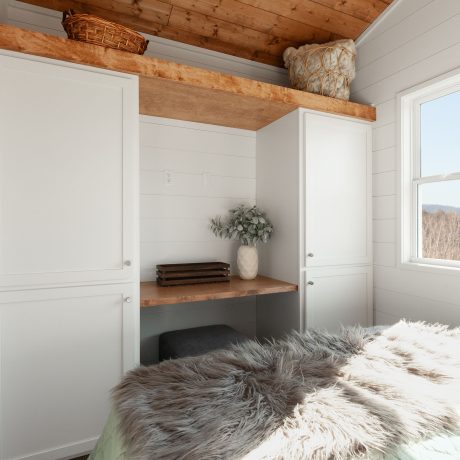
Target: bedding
(111, 446)
(369, 394)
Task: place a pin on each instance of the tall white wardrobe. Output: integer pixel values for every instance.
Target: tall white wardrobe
(69, 287)
(314, 179)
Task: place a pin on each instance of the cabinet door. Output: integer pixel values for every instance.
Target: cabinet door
(336, 297)
(338, 192)
(62, 350)
(68, 169)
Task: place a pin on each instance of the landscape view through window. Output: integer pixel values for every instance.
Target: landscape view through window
(440, 200)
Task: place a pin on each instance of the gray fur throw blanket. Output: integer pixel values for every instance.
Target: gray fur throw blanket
(309, 396)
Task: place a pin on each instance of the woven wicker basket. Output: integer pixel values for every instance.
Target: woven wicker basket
(326, 69)
(91, 29)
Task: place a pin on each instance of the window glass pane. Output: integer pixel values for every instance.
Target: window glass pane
(440, 135)
(440, 232)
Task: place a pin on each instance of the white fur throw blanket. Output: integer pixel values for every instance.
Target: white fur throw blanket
(309, 396)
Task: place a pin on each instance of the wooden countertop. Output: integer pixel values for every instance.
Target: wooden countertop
(153, 295)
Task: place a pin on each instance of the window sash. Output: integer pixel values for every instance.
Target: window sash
(439, 178)
(409, 103)
(416, 233)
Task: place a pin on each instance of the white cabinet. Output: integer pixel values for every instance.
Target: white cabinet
(62, 351)
(338, 191)
(314, 181)
(337, 297)
(69, 268)
(67, 169)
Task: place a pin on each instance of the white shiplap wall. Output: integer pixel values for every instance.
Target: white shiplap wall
(416, 41)
(189, 173)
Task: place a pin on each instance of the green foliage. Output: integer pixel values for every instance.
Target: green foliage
(246, 223)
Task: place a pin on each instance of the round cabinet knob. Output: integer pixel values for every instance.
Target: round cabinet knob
(128, 300)
(310, 254)
(127, 263)
(310, 283)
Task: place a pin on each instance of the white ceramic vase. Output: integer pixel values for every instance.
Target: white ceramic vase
(247, 262)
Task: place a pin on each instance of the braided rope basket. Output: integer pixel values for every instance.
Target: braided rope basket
(326, 69)
(91, 29)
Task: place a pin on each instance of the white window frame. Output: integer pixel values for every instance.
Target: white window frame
(409, 103)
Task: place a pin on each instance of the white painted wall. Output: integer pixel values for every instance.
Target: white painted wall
(416, 41)
(189, 173)
(49, 21)
(3, 11)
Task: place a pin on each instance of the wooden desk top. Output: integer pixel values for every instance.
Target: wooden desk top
(153, 295)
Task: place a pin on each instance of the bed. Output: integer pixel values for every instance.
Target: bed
(372, 394)
(441, 447)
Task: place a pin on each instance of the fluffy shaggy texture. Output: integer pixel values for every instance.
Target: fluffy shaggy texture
(309, 396)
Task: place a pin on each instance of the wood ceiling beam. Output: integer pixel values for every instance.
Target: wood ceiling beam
(314, 14)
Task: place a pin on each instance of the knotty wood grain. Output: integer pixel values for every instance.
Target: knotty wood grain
(312, 13)
(193, 21)
(153, 295)
(367, 10)
(250, 17)
(142, 11)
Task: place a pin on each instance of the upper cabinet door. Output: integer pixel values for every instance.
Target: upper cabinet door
(338, 192)
(68, 169)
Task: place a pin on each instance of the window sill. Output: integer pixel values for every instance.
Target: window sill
(418, 265)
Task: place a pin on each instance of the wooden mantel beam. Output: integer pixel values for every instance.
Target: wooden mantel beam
(183, 92)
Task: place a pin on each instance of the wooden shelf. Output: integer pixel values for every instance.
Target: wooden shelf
(153, 295)
(183, 92)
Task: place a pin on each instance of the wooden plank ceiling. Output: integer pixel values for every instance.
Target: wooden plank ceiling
(259, 30)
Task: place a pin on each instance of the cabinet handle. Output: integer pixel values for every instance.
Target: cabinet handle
(310, 283)
(127, 263)
(310, 254)
(128, 300)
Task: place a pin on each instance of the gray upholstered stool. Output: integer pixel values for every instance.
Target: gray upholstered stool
(197, 341)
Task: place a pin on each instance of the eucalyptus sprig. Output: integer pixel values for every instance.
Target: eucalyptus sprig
(249, 224)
